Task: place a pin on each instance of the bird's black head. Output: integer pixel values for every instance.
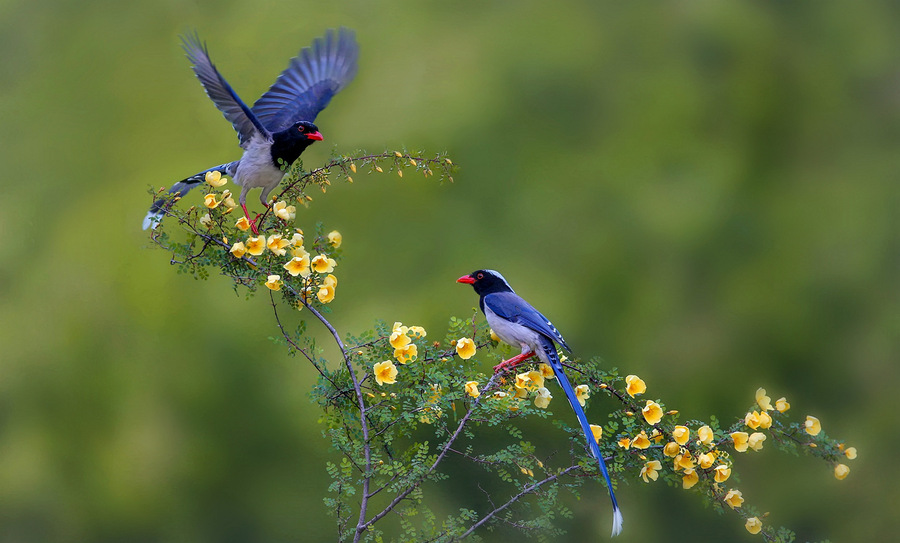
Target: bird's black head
(288, 144)
(486, 282)
(307, 130)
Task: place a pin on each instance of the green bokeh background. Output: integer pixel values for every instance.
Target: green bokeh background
(703, 193)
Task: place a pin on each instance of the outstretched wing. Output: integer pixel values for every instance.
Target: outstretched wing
(220, 92)
(311, 79)
(513, 307)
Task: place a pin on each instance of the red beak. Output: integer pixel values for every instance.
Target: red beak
(315, 136)
(466, 279)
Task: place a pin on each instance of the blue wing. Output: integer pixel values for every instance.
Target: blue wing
(563, 381)
(311, 79)
(220, 92)
(513, 307)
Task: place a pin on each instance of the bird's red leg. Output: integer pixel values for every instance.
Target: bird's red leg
(253, 222)
(513, 362)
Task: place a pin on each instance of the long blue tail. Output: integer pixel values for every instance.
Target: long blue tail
(158, 209)
(550, 349)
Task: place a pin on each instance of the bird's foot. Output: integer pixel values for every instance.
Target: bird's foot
(252, 222)
(512, 362)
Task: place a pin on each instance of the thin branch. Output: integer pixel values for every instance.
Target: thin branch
(293, 344)
(401, 496)
(527, 490)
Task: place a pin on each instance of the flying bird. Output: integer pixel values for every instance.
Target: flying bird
(279, 126)
(519, 324)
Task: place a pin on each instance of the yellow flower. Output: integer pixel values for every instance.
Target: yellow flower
(494, 336)
(705, 435)
(385, 373)
(238, 249)
(681, 434)
(625, 443)
(734, 498)
(652, 412)
(297, 239)
(406, 354)
(723, 472)
(740, 441)
(651, 470)
(850, 453)
(635, 386)
(210, 201)
(243, 223)
(537, 380)
(752, 420)
(753, 525)
(465, 348)
(706, 460)
(277, 244)
(215, 179)
(298, 266)
(500, 394)
(765, 420)
(326, 292)
(641, 441)
(671, 449)
(782, 405)
(522, 391)
(274, 282)
(547, 371)
(755, 441)
(299, 252)
(764, 402)
(256, 245)
(398, 338)
(335, 238)
(690, 478)
(683, 461)
(472, 389)
(417, 331)
(841, 471)
(597, 431)
(206, 221)
(284, 211)
(228, 201)
(323, 264)
(523, 381)
(436, 393)
(582, 393)
(542, 398)
(813, 426)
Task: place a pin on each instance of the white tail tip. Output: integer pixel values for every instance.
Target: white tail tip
(617, 522)
(152, 220)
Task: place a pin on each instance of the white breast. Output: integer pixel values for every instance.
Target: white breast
(515, 334)
(256, 169)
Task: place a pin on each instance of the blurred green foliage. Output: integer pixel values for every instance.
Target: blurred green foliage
(704, 194)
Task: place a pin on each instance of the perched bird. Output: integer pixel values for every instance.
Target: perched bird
(279, 126)
(519, 324)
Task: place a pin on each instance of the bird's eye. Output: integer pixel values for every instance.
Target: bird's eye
(480, 276)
